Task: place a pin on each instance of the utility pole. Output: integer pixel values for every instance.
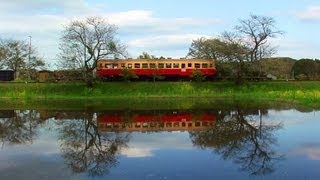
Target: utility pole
(28, 66)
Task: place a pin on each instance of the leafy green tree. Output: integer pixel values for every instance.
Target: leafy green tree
(84, 42)
(204, 48)
(280, 67)
(197, 76)
(306, 69)
(146, 55)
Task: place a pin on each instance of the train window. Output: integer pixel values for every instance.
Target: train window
(175, 124)
(152, 65)
(136, 65)
(183, 124)
(183, 65)
(197, 124)
(168, 65)
(189, 65)
(100, 65)
(175, 65)
(160, 65)
(153, 125)
(204, 65)
(145, 125)
(161, 125)
(123, 65)
(211, 65)
(130, 66)
(108, 66)
(196, 65)
(138, 125)
(144, 65)
(115, 66)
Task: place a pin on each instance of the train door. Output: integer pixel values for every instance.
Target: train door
(183, 67)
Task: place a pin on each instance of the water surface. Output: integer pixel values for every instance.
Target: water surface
(207, 143)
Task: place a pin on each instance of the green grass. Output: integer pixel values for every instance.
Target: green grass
(302, 92)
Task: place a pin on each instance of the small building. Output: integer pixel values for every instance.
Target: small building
(44, 75)
(6, 75)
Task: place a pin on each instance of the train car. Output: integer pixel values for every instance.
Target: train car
(167, 121)
(6, 75)
(183, 68)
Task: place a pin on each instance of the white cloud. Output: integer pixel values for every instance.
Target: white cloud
(36, 23)
(172, 41)
(170, 45)
(137, 152)
(47, 6)
(146, 21)
(141, 145)
(310, 151)
(295, 48)
(311, 13)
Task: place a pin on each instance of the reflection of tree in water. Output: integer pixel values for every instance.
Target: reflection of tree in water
(19, 127)
(87, 150)
(240, 138)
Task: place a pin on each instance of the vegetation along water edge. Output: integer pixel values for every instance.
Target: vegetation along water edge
(306, 92)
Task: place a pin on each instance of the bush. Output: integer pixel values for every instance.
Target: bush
(197, 76)
(128, 74)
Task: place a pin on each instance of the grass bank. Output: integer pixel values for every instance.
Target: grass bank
(303, 92)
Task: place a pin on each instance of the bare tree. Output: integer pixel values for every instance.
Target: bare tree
(84, 42)
(248, 43)
(2, 54)
(20, 128)
(15, 56)
(85, 149)
(255, 32)
(246, 141)
(19, 56)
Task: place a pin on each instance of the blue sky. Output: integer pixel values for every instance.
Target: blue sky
(163, 28)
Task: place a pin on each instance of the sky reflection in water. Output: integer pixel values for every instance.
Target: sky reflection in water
(160, 144)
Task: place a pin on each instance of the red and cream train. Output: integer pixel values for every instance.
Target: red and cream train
(181, 68)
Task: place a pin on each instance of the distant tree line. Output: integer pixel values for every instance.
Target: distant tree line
(306, 69)
(280, 68)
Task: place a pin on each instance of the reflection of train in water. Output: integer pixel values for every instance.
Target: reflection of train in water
(7, 114)
(145, 121)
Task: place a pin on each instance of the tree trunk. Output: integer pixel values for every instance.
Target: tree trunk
(89, 78)
(239, 78)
